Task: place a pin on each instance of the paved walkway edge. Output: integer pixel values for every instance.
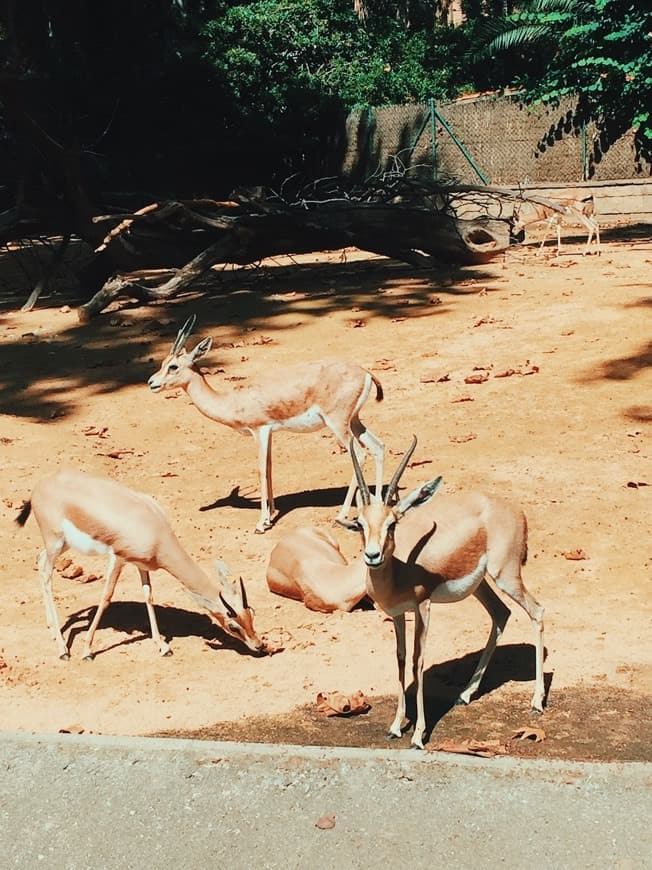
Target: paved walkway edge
(233, 751)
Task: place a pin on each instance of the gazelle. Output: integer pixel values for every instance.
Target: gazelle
(309, 566)
(574, 210)
(444, 553)
(97, 516)
(302, 398)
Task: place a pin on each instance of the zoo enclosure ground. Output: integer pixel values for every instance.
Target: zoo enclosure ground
(561, 422)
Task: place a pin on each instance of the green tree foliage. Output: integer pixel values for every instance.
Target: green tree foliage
(289, 69)
(597, 50)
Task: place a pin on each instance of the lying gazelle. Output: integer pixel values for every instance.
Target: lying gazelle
(555, 212)
(445, 553)
(308, 565)
(97, 516)
(302, 398)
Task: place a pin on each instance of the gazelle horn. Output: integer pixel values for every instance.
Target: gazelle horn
(183, 333)
(362, 485)
(230, 611)
(393, 484)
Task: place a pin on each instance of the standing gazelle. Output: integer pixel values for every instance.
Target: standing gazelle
(97, 516)
(302, 398)
(578, 210)
(449, 548)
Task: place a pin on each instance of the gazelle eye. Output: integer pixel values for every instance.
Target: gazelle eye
(234, 626)
(173, 367)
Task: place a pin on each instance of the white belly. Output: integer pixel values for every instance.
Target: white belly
(460, 587)
(81, 542)
(309, 421)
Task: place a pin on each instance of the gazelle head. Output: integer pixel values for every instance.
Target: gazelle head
(176, 368)
(377, 518)
(236, 618)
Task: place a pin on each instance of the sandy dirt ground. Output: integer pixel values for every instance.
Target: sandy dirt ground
(561, 422)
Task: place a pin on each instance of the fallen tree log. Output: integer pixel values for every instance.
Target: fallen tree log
(191, 237)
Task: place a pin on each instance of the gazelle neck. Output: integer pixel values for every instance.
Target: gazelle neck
(214, 405)
(380, 581)
(194, 579)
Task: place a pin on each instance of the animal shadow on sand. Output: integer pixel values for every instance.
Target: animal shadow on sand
(444, 681)
(130, 618)
(328, 497)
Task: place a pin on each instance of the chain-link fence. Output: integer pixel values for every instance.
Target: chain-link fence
(486, 139)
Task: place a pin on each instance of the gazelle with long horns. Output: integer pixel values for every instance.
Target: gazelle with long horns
(301, 398)
(98, 516)
(446, 552)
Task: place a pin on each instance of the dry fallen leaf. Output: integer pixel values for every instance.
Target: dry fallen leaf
(577, 555)
(481, 748)
(72, 572)
(462, 439)
(325, 823)
(462, 399)
(635, 484)
(337, 704)
(478, 378)
(529, 733)
(436, 378)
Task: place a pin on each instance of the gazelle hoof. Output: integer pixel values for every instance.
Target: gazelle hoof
(461, 703)
(535, 711)
(416, 746)
(166, 652)
(89, 657)
(391, 736)
(65, 657)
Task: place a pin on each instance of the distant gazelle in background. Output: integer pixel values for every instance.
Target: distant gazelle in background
(555, 212)
(302, 398)
(98, 516)
(444, 551)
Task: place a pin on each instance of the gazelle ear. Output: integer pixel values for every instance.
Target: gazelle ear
(201, 350)
(351, 525)
(222, 570)
(417, 497)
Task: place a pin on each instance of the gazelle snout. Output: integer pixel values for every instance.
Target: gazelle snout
(373, 557)
(154, 385)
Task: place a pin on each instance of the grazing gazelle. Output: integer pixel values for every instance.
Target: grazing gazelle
(302, 398)
(309, 566)
(446, 552)
(97, 516)
(555, 212)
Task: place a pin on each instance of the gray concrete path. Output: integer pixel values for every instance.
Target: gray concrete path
(73, 802)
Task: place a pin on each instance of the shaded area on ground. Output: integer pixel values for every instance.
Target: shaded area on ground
(583, 723)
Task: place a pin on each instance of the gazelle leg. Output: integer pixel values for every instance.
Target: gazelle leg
(499, 614)
(46, 566)
(558, 224)
(348, 499)
(399, 631)
(377, 448)
(163, 647)
(112, 573)
(546, 234)
(421, 621)
(517, 592)
(267, 510)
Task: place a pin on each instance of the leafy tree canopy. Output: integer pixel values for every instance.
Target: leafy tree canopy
(598, 50)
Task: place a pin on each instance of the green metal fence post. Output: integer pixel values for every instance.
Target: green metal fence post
(483, 178)
(433, 138)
